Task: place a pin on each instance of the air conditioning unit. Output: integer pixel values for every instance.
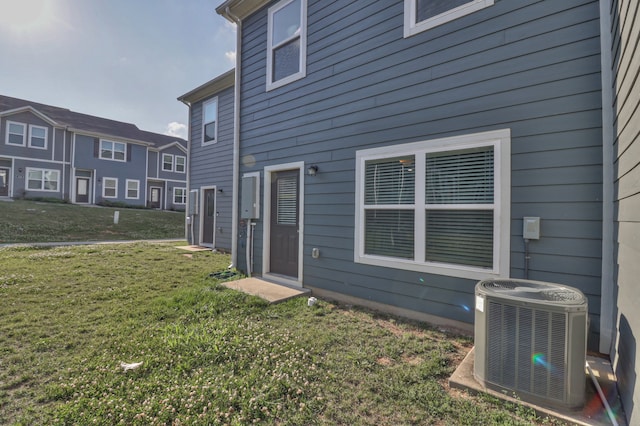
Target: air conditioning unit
(530, 341)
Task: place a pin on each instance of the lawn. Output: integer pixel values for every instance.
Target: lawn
(72, 315)
(30, 221)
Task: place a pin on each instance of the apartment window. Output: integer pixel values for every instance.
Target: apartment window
(420, 15)
(113, 150)
(286, 42)
(180, 163)
(167, 162)
(43, 180)
(133, 189)
(109, 187)
(439, 206)
(179, 196)
(209, 121)
(16, 133)
(38, 137)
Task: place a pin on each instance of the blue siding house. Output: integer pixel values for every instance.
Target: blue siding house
(53, 152)
(210, 172)
(394, 149)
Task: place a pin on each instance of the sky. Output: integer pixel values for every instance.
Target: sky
(125, 60)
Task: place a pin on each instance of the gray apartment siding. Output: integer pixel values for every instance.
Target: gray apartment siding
(86, 157)
(172, 175)
(55, 156)
(626, 149)
(173, 179)
(153, 164)
(528, 66)
(212, 166)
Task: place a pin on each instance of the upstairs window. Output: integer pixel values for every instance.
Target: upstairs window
(113, 150)
(439, 206)
(420, 15)
(209, 121)
(16, 133)
(180, 163)
(38, 137)
(286, 42)
(167, 162)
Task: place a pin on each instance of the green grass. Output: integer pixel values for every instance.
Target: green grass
(211, 355)
(30, 221)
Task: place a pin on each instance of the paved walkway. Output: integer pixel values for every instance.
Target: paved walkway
(87, 243)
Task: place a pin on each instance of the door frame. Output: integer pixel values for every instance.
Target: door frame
(151, 188)
(201, 212)
(266, 233)
(9, 181)
(89, 190)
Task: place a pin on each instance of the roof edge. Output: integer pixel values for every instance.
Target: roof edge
(240, 9)
(29, 108)
(210, 88)
(107, 136)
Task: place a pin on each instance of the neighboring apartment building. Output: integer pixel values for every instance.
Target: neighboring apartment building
(210, 172)
(53, 152)
(397, 146)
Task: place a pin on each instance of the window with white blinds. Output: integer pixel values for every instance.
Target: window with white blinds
(286, 199)
(459, 194)
(436, 206)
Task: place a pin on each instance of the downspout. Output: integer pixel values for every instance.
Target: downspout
(188, 227)
(236, 141)
(607, 302)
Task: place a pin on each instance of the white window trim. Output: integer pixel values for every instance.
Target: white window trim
(303, 46)
(501, 141)
(184, 164)
(126, 195)
(113, 151)
(104, 187)
(46, 136)
(171, 168)
(204, 123)
(42, 188)
(24, 133)
(411, 27)
(184, 191)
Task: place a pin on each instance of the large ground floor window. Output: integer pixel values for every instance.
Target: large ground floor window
(437, 206)
(43, 180)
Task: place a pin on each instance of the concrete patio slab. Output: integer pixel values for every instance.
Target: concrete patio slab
(271, 292)
(592, 414)
(193, 248)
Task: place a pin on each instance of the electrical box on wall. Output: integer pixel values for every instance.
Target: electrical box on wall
(249, 204)
(531, 228)
(193, 202)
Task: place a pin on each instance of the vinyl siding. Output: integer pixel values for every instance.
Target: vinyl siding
(626, 97)
(54, 157)
(530, 66)
(133, 168)
(212, 165)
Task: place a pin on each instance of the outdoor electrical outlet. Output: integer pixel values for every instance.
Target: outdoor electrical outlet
(315, 253)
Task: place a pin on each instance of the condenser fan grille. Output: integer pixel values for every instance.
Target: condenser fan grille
(533, 290)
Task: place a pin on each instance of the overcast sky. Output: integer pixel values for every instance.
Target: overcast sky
(125, 60)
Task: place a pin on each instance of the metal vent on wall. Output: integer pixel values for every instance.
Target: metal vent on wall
(530, 338)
